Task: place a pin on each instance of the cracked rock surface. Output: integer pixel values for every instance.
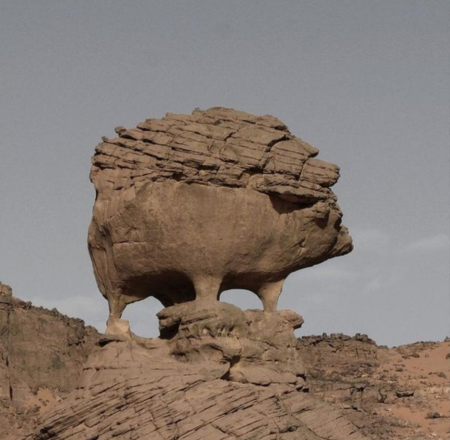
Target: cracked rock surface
(189, 206)
(191, 385)
(387, 393)
(42, 353)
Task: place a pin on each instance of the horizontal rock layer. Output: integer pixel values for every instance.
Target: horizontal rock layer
(41, 353)
(218, 146)
(131, 392)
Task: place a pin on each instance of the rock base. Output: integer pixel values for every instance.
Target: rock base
(216, 373)
(130, 391)
(253, 346)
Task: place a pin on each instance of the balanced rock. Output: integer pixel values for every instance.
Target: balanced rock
(189, 206)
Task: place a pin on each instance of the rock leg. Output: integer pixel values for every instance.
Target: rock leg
(116, 306)
(269, 294)
(207, 287)
(115, 325)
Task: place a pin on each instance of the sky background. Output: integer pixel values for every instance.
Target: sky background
(367, 82)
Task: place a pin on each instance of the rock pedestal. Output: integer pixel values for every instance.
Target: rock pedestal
(216, 373)
(187, 207)
(252, 346)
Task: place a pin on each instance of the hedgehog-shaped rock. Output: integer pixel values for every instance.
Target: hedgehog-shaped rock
(189, 206)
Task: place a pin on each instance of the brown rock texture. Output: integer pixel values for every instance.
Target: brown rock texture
(400, 393)
(41, 357)
(188, 206)
(251, 346)
(352, 384)
(211, 377)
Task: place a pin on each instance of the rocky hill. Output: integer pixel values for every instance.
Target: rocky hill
(42, 353)
(397, 394)
(389, 393)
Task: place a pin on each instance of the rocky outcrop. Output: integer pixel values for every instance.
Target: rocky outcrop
(216, 373)
(41, 351)
(187, 207)
(193, 380)
(389, 394)
(251, 346)
(191, 205)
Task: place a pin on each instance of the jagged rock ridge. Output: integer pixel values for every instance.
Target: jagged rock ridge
(219, 146)
(211, 378)
(41, 351)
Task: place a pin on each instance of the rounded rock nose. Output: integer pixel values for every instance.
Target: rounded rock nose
(344, 243)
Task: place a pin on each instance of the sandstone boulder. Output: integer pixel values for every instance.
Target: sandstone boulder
(189, 206)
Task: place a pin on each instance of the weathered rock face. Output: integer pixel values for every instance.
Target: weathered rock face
(41, 355)
(181, 385)
(40, 349)
(191, 205)
(251, 346)
(388, 393)
(217, 373)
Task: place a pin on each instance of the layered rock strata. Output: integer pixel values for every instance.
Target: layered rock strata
(191, 205)
(216, 373)
(399, 393)
(42, 353)
(251, 346)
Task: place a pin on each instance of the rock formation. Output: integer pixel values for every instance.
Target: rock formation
(188, 206)
(42, 352)
(400, 393)
(216, 373)
(143, 388)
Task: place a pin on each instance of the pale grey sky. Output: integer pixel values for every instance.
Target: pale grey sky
(365, 81)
